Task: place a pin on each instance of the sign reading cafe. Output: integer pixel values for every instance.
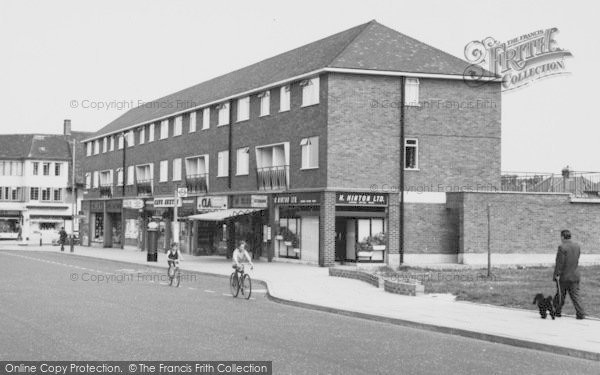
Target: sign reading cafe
(360, 199)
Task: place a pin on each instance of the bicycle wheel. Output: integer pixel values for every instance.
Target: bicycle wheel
(247, 286)
(233, 285)
(177, 278)
(171, 274)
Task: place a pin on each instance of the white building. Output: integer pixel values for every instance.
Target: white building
(35, 185)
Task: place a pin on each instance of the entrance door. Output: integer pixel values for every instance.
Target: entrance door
(340, 239)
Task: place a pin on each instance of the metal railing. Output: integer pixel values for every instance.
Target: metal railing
(579, 184)
(144, 187)
(106, 190)
(272, 178)
(197, 183)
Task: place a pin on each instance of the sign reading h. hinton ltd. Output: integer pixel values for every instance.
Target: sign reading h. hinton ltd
(520, 60)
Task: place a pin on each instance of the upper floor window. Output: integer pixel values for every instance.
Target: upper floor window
(223, 113)
(46, 194)
(36, 168)
(130, 175)
(142, 135)
(164, 171)
(284, 98)
(144, 173)
(96, 147)
(104, 144)
(310, 152)
(176, 169)
(58, 195)
(88, 180)
(196, 166)
(34, 194)
(11, 168)
(112, 143)
(164, 129)
(57, 169)
(243, 161)
(130, 138)
(106, 178)
(206, 118)
(411, 92)
(121, 141)
(223, 164)
(95, 179)
(119, 176)
(192, 122)
(178, 126)
(46, 169)
(243, 108)
(265, 103)
(411, 154)
(151, 133)
(310, 91)
(88, 148)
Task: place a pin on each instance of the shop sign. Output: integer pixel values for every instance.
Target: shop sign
(296, 199)
(361, 199)
(10, 213)
(114, 206)
(96, 206)
(212, 203)
(259, 201)
(166, 202)
(134, 204)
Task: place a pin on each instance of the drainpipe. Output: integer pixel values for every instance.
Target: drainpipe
(402, 87)
(123, 191)
(230, 141)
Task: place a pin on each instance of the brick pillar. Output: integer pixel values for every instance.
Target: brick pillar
(107, 240)
(274, 224)
(327, 230)
(393, 230)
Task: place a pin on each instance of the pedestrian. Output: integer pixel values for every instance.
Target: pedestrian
(567, 275)
(19, 229)
(62, 238)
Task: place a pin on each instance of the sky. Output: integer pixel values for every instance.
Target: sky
(90, 61)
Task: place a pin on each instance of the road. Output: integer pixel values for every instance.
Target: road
(57, 306)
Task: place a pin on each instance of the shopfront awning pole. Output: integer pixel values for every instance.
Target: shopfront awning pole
(402, 91)
(175, 215)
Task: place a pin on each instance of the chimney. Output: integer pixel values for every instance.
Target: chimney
(67, 127)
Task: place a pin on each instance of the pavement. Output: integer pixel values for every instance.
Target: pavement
(312, 287)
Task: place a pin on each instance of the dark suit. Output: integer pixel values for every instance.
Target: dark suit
(567, 261)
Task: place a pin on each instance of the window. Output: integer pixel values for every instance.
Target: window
(223, 164)
(178, 127)
(96, 147)
(265, 103)
(206, 118)
(96, 181)
(34, 194)
(164, 129)
(243, 161)
(196, 166)
(142, 135)
(119, 176)
(130, 175)
(151, 133)
(112, 143)
(310, 152)
(143, 173)
(36, 168)
(284, 98)
(130, 138)
(120, 141)
(223, 114)
(176, 169)
(104, 145)
(88, 149)
(243, 109)
(46, 194)
(46, 169)
(106, 178)
(411, 92)
(310, 91)
(88, 180)
(164, 171)
(192, 122)
(17, 168)
(58, 194)
(411, 154)
(57, 169)
(14, 194)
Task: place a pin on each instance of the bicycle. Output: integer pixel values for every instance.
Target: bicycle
(174, 273)
(245, 286)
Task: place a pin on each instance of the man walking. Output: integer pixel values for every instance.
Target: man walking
(62, 238)
(567, 274)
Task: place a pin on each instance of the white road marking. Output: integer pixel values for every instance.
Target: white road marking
(189, 287)
(209, 291)
(227, 294)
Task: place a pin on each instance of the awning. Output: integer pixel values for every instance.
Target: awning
(223, 214)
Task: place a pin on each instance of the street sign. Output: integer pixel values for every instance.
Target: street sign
(182, 192)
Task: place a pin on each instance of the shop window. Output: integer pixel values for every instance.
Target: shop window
(289, 237)
(284, 98)
(310, 152)
(310, 91)
(411, 154)
(411, 92)
(370, 239)
(265, 103)
(192, 122)
(243, 109)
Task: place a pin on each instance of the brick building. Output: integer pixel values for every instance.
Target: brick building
(300, 154)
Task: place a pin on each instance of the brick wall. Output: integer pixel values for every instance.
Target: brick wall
(524, 222)
(429, 229)
(327, 229)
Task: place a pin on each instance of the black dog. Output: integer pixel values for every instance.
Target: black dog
(545, 304)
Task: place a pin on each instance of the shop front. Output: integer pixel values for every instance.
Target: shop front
(297, 220)
(360, 227)
(210, 236)
(249, 223)
(160, 210)
(134, 221)
(10, 220)
(96, 221)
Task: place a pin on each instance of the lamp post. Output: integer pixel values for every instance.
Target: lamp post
(124, 135)
(74, 195)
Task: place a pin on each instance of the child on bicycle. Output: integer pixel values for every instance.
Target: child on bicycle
(174, 255)
(240, 254)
